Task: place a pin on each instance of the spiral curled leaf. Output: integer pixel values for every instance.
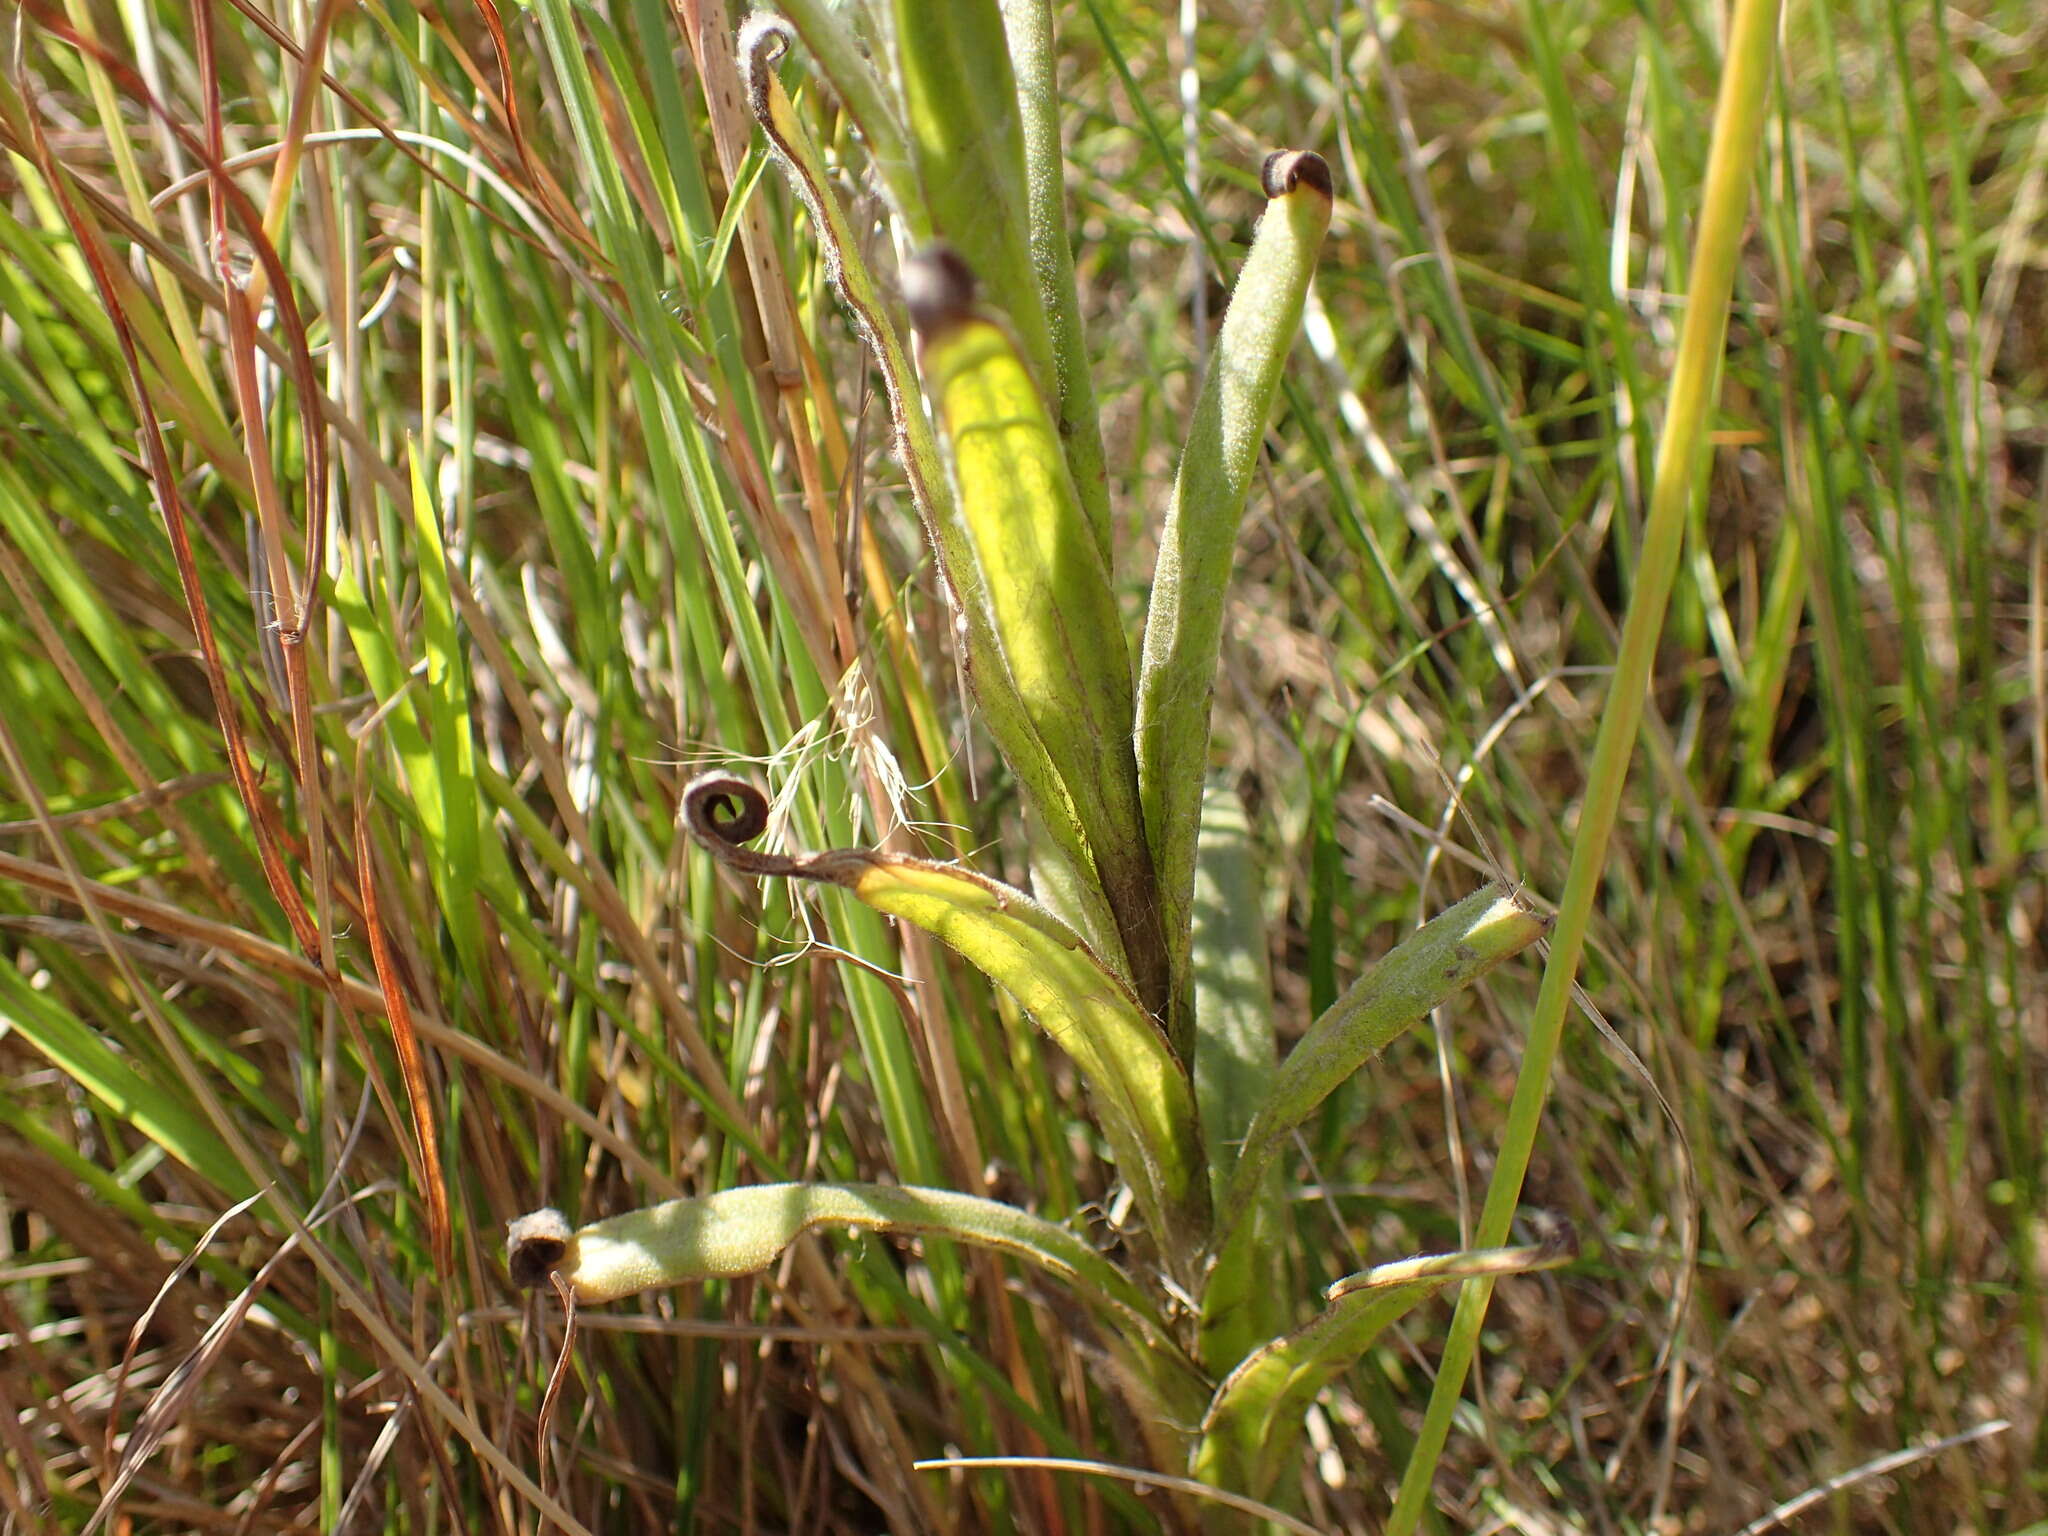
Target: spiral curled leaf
(1141, 1093)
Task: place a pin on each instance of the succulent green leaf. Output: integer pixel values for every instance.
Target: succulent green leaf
(1445, 954)
(1234, 1051)
(1141, 1093)
(1243, 1303)
(1048, 593)
(1046, 582)
(967, 138)
(1029, 26)
(1255, 1419)
(1184, 625)
(742, 1231)
(762, 42)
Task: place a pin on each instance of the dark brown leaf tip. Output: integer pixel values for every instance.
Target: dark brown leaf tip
(724, 812)
(534, 1244)
(1286, 169)
(764, 39)
(938, 289)
(1554, 1233)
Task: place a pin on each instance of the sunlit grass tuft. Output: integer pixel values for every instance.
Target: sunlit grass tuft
(609, 501)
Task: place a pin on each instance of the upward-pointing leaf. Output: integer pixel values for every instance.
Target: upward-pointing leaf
(1452, 950)
(1029, 25)
(1255, 1419)
(763, 41)
(967, 137)
(1048, 591)
(1246, 1303)
(1184, 625)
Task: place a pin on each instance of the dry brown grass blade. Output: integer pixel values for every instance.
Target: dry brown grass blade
(148, 1315)
(411, 1059)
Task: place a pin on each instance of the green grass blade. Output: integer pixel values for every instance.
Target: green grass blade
(1738, 121)
(83, 1056)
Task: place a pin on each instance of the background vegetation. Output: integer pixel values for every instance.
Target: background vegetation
(600, 491)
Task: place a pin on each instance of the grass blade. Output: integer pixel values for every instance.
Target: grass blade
(1738, 122)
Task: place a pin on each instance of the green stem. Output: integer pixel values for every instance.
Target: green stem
(1731, 161)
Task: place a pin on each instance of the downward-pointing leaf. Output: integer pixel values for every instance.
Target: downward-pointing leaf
(743, 1231)
(1142, 1095)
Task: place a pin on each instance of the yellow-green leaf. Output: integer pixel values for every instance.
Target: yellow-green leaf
(1141, 1093)
(1047, 586)
(762, 42)
(1197, 548)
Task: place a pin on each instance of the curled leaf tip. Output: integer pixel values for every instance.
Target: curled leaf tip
(764, 35)
(721, 810)
(938, 289)
(724, 814)
(535, 1244)
(1286, 169)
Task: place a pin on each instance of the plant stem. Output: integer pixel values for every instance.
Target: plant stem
(1731, 160)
